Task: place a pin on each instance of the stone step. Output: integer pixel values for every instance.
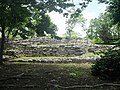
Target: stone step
(57, 59)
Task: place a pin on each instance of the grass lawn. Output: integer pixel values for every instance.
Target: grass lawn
(53, 76)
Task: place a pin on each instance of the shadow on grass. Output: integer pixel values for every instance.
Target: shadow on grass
(44, 76)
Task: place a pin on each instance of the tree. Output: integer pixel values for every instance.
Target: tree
(22, 30)
(44, 25)
(37, 23)
(52, 29)
(72, 21)
(101, 29)
(108, 66)
(13, 14)
(10, 17)
(74, 35)
(114, 10)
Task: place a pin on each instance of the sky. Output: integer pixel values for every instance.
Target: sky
(92, 11)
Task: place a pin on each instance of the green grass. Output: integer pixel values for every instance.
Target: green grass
(26, 58)
(89, 54)
(44, 74)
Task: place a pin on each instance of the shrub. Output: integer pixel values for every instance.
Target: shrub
(109, 65)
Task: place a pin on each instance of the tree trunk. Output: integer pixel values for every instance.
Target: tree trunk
(2, 41)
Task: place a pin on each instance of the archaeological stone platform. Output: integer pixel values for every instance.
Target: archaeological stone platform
(43, 46)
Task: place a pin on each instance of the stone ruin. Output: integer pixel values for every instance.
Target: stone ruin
(43, 46)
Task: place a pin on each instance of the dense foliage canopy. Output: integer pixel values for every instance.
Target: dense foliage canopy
(102, 30)
(16, 16)
(108, 66)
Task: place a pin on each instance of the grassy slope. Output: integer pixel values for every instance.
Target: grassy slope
(43, 74)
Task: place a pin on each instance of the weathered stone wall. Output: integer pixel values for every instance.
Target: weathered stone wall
(55, 51)
(45, 40)
(47, 50)
(51, 47)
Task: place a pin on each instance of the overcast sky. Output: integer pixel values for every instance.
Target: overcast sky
(92, 11)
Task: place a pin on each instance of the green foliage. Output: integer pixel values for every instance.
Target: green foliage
(74, 35)
(89, 54)
(13, 13)
(71, 23)
(22, 17)
(14, 16)
(108, 66)
(44, 25)
(114, 9)
(97, 40)
(102, 30)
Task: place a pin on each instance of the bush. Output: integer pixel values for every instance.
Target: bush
(109, 65)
